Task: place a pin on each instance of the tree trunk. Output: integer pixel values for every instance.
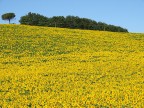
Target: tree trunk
(9, 21)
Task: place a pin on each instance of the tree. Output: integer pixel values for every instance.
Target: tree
(74, 22)
(58, 21)
(8, 16)
(34, 19)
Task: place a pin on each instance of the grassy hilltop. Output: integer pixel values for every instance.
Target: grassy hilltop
(65, 68)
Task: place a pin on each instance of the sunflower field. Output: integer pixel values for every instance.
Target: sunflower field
(43, 67)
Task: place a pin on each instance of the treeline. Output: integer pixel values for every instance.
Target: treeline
(74, 22)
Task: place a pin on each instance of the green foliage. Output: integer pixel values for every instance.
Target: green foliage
(34, 19)
(68, 22)
(8, 16)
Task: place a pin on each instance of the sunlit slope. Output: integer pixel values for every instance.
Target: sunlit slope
(53, 41)
(56, 67)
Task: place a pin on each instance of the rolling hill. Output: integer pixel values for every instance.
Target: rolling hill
(63, 68)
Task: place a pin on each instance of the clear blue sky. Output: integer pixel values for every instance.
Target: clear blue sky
(125, 13)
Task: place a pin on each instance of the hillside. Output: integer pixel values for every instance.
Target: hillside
(56, 67)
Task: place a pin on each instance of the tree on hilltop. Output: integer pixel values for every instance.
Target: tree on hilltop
(34, 19)
(73, 22)
(8, 16)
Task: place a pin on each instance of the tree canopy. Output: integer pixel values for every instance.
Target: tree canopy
(74, 22)
(8, 16)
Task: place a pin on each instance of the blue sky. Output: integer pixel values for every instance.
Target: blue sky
(125, 13)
